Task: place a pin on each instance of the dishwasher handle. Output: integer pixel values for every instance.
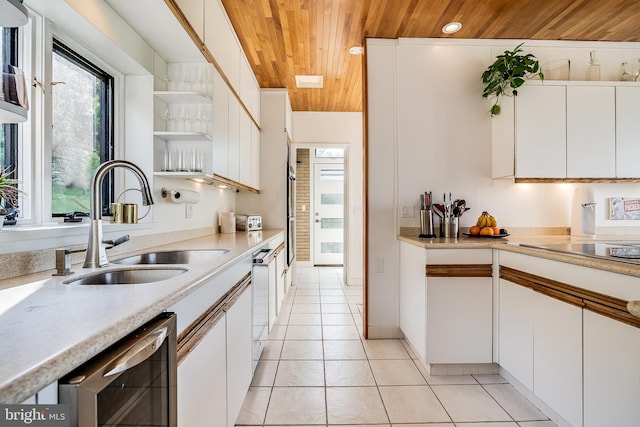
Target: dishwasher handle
(263, 257)
(138, 353)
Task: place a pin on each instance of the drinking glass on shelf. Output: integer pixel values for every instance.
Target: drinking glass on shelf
(196, 84)
(170, 161)
(173, 76)
(187, 78)
(196, 160)
(559, 69)
(185, 116)
(631, 70)
(169, 118)
(202, 119)
(182, 160)
(166, 161)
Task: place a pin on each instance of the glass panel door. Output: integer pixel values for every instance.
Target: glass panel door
(328, 189)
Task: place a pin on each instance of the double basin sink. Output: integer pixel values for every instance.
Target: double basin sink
(149, 267)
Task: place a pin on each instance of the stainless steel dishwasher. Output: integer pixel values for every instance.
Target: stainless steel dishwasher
(264, 298)
(131, 383)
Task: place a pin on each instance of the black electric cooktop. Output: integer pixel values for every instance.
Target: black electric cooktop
(621, 251)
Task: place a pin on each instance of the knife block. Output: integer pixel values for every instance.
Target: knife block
(426, 223)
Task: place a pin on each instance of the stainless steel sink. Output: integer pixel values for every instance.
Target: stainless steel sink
(127, 276)
(173, 257)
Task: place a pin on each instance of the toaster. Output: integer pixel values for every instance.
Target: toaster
(248, 222)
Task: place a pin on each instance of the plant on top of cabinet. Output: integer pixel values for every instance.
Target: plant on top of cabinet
(508, 73)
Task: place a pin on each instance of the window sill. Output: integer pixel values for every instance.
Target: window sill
(20, 238)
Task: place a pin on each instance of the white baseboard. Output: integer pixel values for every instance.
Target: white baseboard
(535, 400)
(384, 333)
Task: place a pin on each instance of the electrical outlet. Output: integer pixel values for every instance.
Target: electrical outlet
(188, 211)
(378, 265)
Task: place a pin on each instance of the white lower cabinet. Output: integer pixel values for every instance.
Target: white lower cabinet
(202, 381)
(459, 320)
(239, 353)
(446, 304)
(540, 345)
(611, 372)
(459, 295)
(413, 303)
(215, 356)
(557, 356)
(280, 277)
(515, 331)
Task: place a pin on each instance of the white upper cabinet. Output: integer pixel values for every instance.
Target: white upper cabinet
(249, 89)
(220, 133)
(558, 130)
(541, 149)
(245, 149)
(221, 41)
(255, 156)
(591, 128)
(627, 132)
(234, 138)
(194, 12)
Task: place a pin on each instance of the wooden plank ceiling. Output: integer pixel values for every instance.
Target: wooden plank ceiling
(283, 38)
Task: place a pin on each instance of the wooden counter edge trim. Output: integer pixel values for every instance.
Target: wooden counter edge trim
(279, 249)
(459, 270)
(620, 316)
(605, 305)
(198, 329)
(236, 184)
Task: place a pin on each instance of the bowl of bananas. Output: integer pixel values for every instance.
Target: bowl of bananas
(486, 226)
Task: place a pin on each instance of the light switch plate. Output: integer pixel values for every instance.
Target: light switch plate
(407, 211)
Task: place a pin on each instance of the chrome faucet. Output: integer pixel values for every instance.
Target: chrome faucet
(96, 253)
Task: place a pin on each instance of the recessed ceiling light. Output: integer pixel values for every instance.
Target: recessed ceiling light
(356, 50)
(452, 27)
(309, 81)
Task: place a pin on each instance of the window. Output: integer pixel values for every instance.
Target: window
(331, 153)
(9, 132)
(82, 130)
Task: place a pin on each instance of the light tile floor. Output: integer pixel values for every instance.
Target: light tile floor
(316, 370)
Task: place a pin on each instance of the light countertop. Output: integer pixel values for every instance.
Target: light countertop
(512, 243)
(48, 328)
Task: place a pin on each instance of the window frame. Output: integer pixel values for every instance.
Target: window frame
(108, 95)
(11, 132)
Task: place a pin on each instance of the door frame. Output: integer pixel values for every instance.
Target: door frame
(347, 196)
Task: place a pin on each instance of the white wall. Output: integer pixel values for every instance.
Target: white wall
(314, 129)
(428, 121)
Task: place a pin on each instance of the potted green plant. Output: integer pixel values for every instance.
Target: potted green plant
(507, 74)
(9, 192)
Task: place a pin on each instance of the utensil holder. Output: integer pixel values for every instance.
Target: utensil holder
(129, 213)
(449, 227)
(426, 223)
